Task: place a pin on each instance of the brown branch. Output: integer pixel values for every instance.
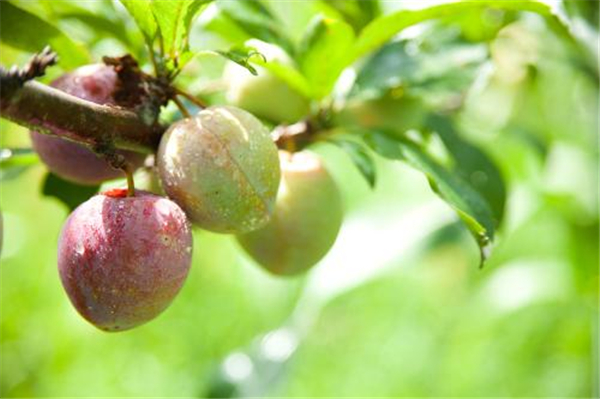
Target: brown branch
(52, 111)
(293, 137)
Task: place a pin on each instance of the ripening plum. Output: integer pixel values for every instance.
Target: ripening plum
(123, 259)
(221, 167)
(73, 161)
(307, 218)
(265, 95)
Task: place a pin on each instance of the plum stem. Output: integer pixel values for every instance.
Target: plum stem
(194, 100)
(181, 106)
(107, 151)
(130, 181)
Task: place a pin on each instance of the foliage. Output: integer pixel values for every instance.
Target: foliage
(487, 109)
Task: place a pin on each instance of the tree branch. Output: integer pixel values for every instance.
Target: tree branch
(52, 111)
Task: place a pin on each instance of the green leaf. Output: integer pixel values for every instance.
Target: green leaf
(288, 74)
(256, 20)
(469, 204)
(226, 29)
(71, 194)
(323, 53)
(25, 31)
(241, 55)
(99, 23)
(357, 13)
(14, 161)
(360, 157)
(473, 165)
(174, 19)
(384, 28)
(443, 68)
(141, 11)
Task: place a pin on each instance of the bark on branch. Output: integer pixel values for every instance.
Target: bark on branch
(52, 111)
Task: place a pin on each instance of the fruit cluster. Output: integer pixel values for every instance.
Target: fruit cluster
(123, 256)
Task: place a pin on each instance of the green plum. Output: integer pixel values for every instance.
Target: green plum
(387, 112)
(221, 167)
(265, 95)
(308, 216)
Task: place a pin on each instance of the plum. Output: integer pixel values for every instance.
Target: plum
(122, 260)
(307, 218)
(265, 95)
(222, 168)
(397, 114)
(73, 161)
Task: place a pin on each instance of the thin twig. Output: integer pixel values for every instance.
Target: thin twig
(153, 59)
(196, 101)
(36, 67)
(181, 107)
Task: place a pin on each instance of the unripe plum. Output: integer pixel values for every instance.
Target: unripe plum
(73, 161)
(265, 95)
(307, 218)
(123, 259)
(221, 167)
(397, 114)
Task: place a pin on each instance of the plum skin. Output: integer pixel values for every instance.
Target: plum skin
(307, 218)
(221, 166)
(122, 260)
(72, 161)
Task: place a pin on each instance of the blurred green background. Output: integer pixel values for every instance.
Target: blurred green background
(398, 307)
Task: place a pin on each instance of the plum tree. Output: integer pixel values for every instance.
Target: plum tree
(307, 218)
(265, 95)
(73, 161)
(123, 259)
(221, 167)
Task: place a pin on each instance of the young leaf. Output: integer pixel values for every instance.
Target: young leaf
(360, 157)
(141, 11)
(25, 31)
(248, 57)
(174, 19)
(241, 55)
(70, 194)
(323, 53)
(471, 207)
(256, 20)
